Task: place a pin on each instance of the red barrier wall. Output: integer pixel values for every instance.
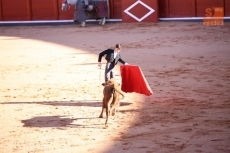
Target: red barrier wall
(177, 8)
(44, 9)
(115, 9)
(201, 5)
(65, 15)
(163, 8)
(138, 11)
(15, 10)
(0, 10)
(227, 7)
(182, 8)
(24, 10)
(190, 8)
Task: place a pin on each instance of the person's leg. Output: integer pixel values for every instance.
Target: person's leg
(112, 73)
(102, 21)
(80, 14)
(109, 72)
(82, 23)
(106, 71)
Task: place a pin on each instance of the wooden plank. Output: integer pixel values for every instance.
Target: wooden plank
(202, 5)
(15, 10)
(164, 8)
(115, 9)
(0, 10)
(182, 8)
(44, 9)
(29, 9)
(108, 4)
(111, 9)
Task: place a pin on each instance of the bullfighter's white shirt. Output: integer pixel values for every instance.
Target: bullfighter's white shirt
(115, 54)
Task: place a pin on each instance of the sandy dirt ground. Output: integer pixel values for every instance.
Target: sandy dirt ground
(51, 93)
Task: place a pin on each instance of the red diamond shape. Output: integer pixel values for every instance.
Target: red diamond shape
(139, 10)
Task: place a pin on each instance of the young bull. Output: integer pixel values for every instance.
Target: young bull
(111, 99)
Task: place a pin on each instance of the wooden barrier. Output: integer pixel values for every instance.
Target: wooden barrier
(163, 8)
(115, 9)
(0, 10)
(15, 10)
(65, 15)
(177, 8)
(201, 5)
(26, 10)
(182, 8)
(190, 8)
(140, 11)
(44, 9)
(227, 8)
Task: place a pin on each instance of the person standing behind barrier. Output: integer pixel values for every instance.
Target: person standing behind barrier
(112, 58)
(79, 12)
(102, 10)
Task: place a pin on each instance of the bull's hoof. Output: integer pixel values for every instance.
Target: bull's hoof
(106, 126)
(100, 116)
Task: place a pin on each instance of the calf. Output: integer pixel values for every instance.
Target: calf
(111, 99)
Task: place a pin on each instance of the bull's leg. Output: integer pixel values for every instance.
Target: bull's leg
(115, 101)
(115, 109)
(112, 106)
(108, 111)
(101, 115)
(103, 108)
(107, 115)
(112, 110)
(117, 106)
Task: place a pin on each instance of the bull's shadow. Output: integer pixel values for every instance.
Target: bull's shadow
(48, 121)
(86, 103)
(59, 122)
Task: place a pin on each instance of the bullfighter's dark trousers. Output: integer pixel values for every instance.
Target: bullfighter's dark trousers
(109, 71)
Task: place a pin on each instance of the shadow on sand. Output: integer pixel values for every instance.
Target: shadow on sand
(59, 122)
(86, 103)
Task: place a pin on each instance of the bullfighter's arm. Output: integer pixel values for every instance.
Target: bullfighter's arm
(102, 54)
(122, 61)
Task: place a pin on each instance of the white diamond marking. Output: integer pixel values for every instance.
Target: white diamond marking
(133, 16)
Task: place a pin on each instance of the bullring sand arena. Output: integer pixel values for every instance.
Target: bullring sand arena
(51, 93)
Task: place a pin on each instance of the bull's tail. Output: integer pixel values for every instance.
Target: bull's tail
(119, 91)
(123, 96)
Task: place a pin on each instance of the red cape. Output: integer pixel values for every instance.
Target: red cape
(133, 80)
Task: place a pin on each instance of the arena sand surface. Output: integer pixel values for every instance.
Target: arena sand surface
(50, 89)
